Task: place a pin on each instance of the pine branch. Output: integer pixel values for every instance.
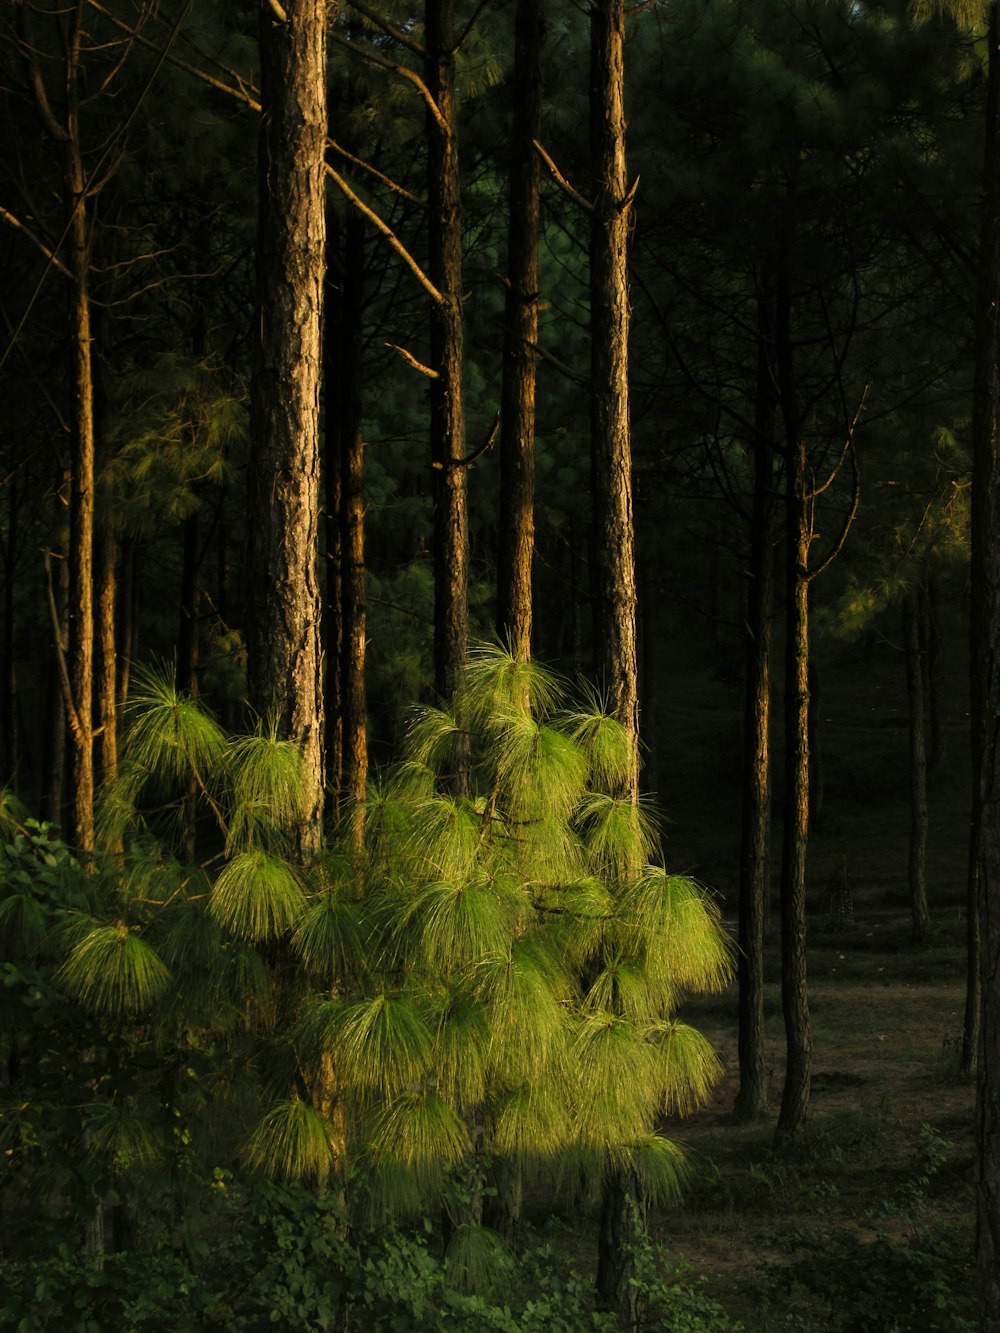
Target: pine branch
(50, 255)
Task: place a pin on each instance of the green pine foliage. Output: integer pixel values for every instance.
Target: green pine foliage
(492, 977)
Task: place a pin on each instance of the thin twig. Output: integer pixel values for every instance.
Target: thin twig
(74, 720)
(411, 360)
(561, 180)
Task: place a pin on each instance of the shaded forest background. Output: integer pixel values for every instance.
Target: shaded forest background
(804, 218)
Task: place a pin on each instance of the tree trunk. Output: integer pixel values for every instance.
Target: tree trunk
(333, 559)
(815, 752)
(352, 535)
(934, 677)
(126, 621)
(451, 519)
(794, 998)
(517, 397)
(622, 1225)
(985, 650)
(81, 505)
(54, 775)
(916, 692)
(108, 683)
(611, 447)
(284, 675)
(755, 869)
(613, 554)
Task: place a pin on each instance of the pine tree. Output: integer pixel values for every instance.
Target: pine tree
(283, 599)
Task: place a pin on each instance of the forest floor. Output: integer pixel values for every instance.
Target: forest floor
(865, 1223)
(882, 1174)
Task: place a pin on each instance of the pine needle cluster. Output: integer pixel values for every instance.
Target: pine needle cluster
(492, 979)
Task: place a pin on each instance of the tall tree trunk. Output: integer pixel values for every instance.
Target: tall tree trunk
(54, 769)
(81, 506)
(610, 439)
(916, 693)
(755, 868)
(352, 533)
(107, 692)
(451, 519)
(126, 621)
(333, 557)
(985, 652)
(794, 998)
(517, 399)
(284, 647)
(816, 784)
(934, 677)
(613, 554)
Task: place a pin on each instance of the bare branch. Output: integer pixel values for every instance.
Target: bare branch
(238, 91)
(75, 725)
(561, 180)
(50, 255)
(404, 72)
(469, 26)
(385, 230)
(362, 165)
(411, 360)
(561, 366)
(388, 29)
(477, 453)
(849, 517)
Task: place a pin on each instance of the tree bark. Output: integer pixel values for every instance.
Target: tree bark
(108, 683)
(610, 438)
(622, 1224)
(917, 693)
(755, 869)
(517, 397)
(333, 557)
(352, 535)
(985, 652)
(451, 520)
(284, 648)
(794, 998)
(613, 553)
(81, 506)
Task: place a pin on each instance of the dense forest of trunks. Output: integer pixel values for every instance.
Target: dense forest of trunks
(341, 340)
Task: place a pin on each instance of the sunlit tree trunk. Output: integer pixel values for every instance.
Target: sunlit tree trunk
(352, 534)
(610, 311)
(613, 555)
(332, 558)
(451, 519)
(517, 409)
(284, 646)
(82, 448)
(108, 682)
(794, 997)
(755, 869)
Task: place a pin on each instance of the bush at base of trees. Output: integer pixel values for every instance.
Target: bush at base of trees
(279, 1257)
